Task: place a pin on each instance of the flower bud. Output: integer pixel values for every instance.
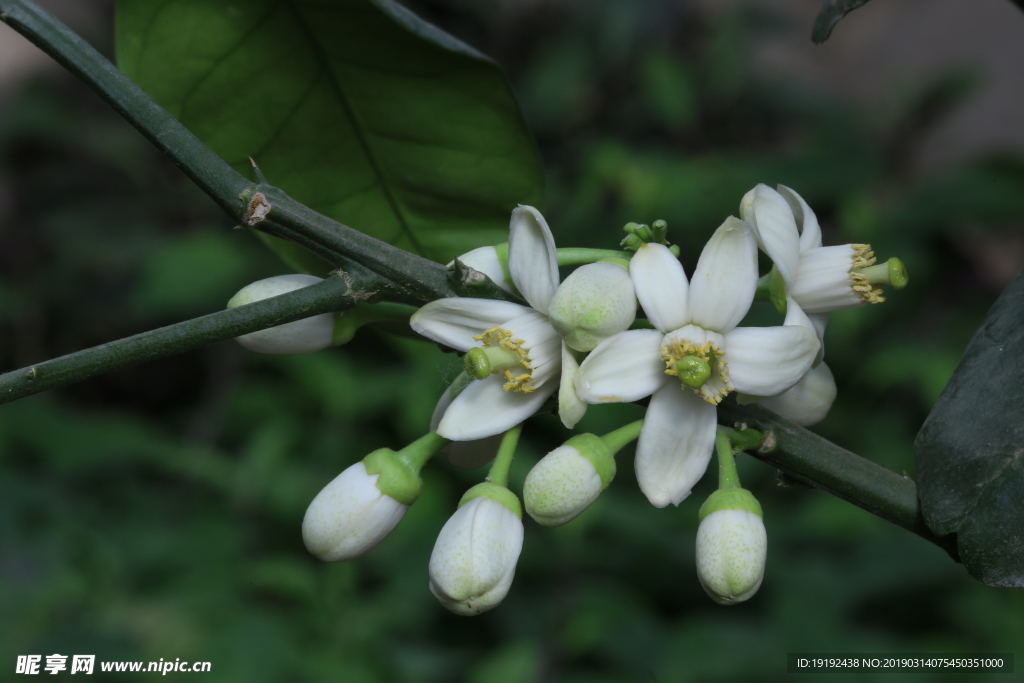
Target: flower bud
(474, 558)
(300, 336)
(808, 401)
(568, 479)
(732, 546)
(593, 303)
(349, 516)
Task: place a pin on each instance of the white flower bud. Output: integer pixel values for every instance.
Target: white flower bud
(349, 516)
(596, 301)
(562, 485)
(300, 336)
(809, 400)
(732, 546)
(475, 556)
(491, 262)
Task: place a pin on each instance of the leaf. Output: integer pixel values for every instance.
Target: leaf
(357, 108)
(829, 15)
(970, 451)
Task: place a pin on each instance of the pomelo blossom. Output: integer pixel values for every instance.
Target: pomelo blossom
(513, 350)
(820, 279)
(695, 356)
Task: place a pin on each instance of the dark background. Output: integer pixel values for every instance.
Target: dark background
(154, 512)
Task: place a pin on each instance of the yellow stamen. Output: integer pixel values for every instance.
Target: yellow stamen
(710, 354)
(500, 337)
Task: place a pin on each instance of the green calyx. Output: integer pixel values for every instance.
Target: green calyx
(730, 499)
(481, 361)
(497, 493)
(693, 372)
(594, 449)
(501, 250)
(400, 472)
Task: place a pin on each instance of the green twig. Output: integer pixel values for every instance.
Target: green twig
(818, 462)
(333, 294)
(416, 280)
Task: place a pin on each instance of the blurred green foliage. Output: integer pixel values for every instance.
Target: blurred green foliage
(155, 512)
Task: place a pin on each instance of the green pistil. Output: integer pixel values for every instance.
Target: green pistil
(693, 371)
(481, 361)
(892, 273)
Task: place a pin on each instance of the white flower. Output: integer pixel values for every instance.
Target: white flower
(300, 336)
(561, 486)
(820, 279)
(695, 357)
(808, 401)
(349, 516)
(517, 353)
(474, 558)
(732, 546)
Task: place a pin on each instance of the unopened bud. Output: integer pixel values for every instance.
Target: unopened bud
(568, 479)
(732, 546)
(596, 301)
(300, 336)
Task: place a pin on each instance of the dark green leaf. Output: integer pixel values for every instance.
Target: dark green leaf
(829, 15)
(970, 451)
(355, 107)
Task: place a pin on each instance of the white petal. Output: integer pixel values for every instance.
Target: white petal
(484, 409)
(722, 287)
(810, 230)
(765, 361)
(823, 281)
(675, 445)
(467, 454)
(774, 225)
(541, 343)
(571, 408)
(661, 286)
(623, 368)
(485, 260)
(796, 316)
(808, 401)
(455, 321)
(532, 259)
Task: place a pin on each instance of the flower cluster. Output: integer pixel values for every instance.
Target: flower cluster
(575, 343)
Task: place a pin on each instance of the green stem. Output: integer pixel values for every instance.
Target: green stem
(332, 294)
(819, 463)
(416, 280)
(346, 325)
(728, 477)
(743, 439)
(623, 435)
(420, 451)
(503, 460)
(576, 256)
